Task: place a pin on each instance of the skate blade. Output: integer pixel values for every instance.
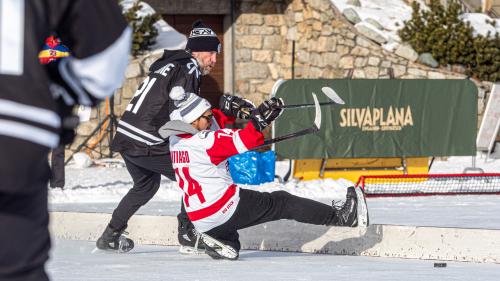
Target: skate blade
(125, 244)
(186, 250)
(363, 218)
(223, 250)
(118, 251)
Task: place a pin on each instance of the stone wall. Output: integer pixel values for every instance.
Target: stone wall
(326, 47)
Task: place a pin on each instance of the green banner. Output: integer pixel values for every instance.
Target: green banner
(381, 118)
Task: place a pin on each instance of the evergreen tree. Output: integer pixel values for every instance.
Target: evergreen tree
(442, 33)
(144, 33)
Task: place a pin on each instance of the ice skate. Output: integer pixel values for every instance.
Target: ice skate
(347, 214)
(115, 240)
(189, 239)
(218, 250)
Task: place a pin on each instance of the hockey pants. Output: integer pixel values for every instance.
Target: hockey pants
(146, 173)
(24, 219)
(260, 207)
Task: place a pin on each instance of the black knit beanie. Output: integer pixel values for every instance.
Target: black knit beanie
(203, 39)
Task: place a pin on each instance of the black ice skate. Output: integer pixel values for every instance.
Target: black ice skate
(347, 215)
(189, 238)
(114, 240)
(218, 250)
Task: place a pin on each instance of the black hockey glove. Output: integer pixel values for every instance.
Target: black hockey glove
(266, 113)
(235, 106)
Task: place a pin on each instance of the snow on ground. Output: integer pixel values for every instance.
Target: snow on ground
(99, 189)
(482, 23)
(77, 260)
(389, 13)
(100, 184)
(392, 13)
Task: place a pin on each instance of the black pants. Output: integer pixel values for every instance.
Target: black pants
(146, 173)
(57, 178)
(260, 207)
(24, 235)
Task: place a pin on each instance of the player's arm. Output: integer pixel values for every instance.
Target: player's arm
(229, 142)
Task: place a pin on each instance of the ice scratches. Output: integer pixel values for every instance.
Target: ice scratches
(108, 184)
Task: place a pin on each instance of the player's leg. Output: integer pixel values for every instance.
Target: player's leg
(24, 234)
(57, 178)
(146, 184)
(254, 208)
(25, 241)
(259, 207)
(189, 238)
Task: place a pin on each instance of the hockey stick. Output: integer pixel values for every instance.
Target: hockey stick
(315, 127)
(329, 92)
(289, 106)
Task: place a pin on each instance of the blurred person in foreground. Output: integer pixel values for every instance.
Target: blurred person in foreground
(36, 102)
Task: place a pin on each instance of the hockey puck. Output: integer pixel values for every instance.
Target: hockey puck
(439, 264)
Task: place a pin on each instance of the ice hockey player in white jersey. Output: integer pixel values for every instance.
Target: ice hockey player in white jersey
(218, 207)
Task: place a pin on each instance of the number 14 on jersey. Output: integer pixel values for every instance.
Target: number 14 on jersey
(193, 187)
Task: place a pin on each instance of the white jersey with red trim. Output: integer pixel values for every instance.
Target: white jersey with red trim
(202, 172)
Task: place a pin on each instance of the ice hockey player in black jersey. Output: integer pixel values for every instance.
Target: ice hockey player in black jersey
(145, 153)
(36, 102)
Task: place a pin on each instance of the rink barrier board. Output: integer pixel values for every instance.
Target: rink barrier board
(397, 241)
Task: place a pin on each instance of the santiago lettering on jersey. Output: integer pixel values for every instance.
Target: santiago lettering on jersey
(179, 156)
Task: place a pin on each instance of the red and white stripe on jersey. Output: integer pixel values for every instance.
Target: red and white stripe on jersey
(202, 172)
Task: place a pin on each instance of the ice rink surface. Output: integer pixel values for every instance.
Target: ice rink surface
(79, 261)
(98, 189)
